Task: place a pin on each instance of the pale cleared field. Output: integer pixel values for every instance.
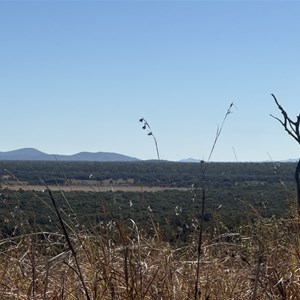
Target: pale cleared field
(90, 188)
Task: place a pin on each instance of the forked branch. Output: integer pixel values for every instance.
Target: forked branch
(292, 129)
(289, 125)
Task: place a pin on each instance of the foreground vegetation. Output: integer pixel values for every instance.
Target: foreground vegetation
(145, 245)
(258, 261)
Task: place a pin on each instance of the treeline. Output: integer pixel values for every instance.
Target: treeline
(151, 173)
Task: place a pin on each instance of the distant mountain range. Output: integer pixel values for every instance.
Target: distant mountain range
(36, 155)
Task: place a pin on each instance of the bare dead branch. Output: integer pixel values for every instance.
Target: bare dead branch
(291, 127)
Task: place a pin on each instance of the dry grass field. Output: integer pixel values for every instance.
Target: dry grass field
(258, 261)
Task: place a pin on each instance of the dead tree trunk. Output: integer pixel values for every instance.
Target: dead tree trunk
(293, 129)
(297, 178)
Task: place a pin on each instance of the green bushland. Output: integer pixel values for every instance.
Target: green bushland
(237, 193)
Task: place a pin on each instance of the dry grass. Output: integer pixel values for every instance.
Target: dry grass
(261, 261)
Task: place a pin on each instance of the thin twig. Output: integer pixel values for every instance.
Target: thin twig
(219, 131)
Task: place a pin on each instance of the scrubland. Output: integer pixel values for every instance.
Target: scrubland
(118, 259)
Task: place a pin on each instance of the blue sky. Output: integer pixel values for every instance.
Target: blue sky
(77, 76)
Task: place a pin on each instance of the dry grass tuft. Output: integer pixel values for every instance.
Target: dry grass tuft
(259, 261)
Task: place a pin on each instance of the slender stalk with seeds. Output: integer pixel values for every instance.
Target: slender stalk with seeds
(147, 127)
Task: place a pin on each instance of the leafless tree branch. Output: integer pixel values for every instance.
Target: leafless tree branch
(289, 125)
(293, 129)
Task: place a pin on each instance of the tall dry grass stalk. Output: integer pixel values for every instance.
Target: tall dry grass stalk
(70, 245)
(197, 293)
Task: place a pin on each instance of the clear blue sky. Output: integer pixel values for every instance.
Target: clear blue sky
(77, 76)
